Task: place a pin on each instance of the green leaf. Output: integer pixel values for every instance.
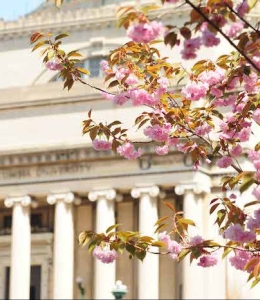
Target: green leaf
(83, 70)
(114, 124)
(146, 239)
(252, 203)
(110, 228)
(91, 246)
(247, 181)
(255, 282)
(161, 220)
(213, 208)
(183, 254)
(145, 9)
(252, 3)
(130, 248)
(61, 36)
(36, 36)
(187, 222)
(160, 227)
(226, 252)
(159, 244)
(140, 255)
(113, 84)
(38, 45)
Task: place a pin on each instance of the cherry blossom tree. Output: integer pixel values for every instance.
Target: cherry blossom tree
(211, 117)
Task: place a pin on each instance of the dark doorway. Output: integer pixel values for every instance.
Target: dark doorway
(35, 284)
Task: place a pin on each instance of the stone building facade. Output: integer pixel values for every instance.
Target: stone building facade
(53, 185)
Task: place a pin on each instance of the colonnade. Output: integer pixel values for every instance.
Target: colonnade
(64, 240)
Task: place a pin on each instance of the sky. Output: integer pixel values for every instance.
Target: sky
(12, 9)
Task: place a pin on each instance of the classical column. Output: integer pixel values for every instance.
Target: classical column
(192, 207)
(105, 274)
(63, 275)
(20, 248)
(148, 270)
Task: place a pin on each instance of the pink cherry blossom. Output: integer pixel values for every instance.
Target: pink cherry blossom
(185, 148)
(234, 29)
(54, 64)
(158, 133)
(236, 150)
(244, 134)
(101, 145)
(190, 47)
(212, 77)
(145, 32)
(164, 237)
(121, 73)
(131, 79)
(240, 259)
(242, 8)
(121, 98)
(196, 240)
(128, 151)
(237, 234)
(172, 246)
(118, 99)
(233, 83)
(203, 129)
(207, 261)
(209, 39)
(253, 155)
(195, 90)
(256, 192)
(172, 1)
(108, 96)
(257, 175)
(105, 255)
(214, 91)
(163, 150)
(250, 82)
(224, 162)
(256, 116)
(104, 65)
(142, 97)
(163, 84)
(172, 142)
(257, 164)
(254, 222)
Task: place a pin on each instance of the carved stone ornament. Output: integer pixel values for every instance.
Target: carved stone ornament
(66, 197)
(152, 191)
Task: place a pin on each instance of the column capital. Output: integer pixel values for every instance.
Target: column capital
(23, 200)
(108, 194)
(152, 191)
(195, 188)
(66, 197)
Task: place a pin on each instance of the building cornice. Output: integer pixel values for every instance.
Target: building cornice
(81, 19)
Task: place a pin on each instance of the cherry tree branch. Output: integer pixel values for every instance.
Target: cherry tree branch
(247, 58)
(242, 19)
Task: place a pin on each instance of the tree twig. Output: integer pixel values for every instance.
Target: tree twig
(247, 58)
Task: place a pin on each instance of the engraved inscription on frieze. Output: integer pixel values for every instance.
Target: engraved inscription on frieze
(52, 171)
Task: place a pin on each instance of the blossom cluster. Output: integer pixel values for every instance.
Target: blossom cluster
(105, 255)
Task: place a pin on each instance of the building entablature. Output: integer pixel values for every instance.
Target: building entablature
(79, 169)
(84, 18)
(80, 19)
